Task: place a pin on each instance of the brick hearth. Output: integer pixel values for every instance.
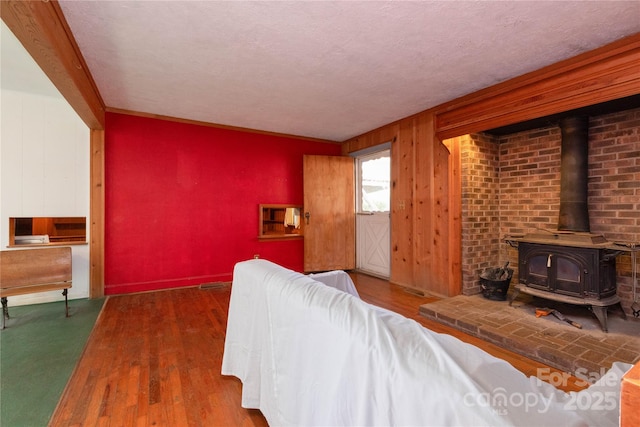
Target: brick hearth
(545, 339)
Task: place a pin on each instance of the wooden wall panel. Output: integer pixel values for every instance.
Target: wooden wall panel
(96, 232)
(423, 254)
(356, 144)
(431, 225)
(424, 221)
(604, 74)
(375, 137)
(402, 182)
(442, 257)
(455, 216)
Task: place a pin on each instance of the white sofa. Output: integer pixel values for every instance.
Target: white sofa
(309, 354)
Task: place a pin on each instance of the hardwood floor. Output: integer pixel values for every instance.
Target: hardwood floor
(154, 359)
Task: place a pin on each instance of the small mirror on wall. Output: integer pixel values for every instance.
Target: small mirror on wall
(280, 221)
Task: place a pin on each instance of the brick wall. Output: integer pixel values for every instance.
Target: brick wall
(614, 187)
(511, 185)
(480, 213)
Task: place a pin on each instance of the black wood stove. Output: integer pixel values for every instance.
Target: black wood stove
(573, 268)
(570, 265)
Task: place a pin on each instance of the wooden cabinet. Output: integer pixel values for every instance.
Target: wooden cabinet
(280, 222)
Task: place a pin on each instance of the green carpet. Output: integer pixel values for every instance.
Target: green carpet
(38, 352)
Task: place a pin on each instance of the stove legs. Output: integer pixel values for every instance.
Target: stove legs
(514, 295)
(601, 314)
(597, 307)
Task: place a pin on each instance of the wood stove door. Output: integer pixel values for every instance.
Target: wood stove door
(568, 278)
(534, 271)
(554, 269)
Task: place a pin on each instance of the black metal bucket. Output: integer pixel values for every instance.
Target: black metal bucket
(493, 286)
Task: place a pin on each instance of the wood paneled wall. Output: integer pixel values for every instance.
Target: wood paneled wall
(426, 196)
(425, 221)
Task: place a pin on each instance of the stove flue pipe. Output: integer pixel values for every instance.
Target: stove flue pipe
(574, 175)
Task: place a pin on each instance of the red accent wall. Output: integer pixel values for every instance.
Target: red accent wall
(181, 200)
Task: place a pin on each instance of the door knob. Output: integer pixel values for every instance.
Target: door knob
(306, 216)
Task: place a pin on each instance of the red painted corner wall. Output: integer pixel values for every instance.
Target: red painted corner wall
(181, 200)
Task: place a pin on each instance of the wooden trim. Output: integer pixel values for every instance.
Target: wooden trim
(604, 74)
(96, 215)
(43, 31)
(455, 216)
(264, 235)
(268, 238)
(45, 245)
(216, 125)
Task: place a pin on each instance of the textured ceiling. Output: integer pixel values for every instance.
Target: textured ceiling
(326, 69)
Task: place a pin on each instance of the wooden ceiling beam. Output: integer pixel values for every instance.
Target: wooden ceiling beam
(43, 31)
(604, 74)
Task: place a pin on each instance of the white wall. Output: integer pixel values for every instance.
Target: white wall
(44, 171)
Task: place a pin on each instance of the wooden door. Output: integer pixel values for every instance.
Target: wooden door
(372, 243)
(373, 221)
(329, 213)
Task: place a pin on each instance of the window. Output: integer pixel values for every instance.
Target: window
(374, 176)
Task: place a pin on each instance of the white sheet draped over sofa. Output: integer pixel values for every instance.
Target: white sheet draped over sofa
(310, 354)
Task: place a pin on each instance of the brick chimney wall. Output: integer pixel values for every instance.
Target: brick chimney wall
(511, 185)
(480, 213)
